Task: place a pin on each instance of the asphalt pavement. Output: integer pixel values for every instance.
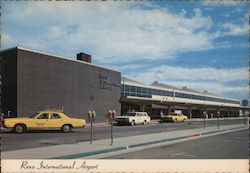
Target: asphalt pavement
(34, 139)
(234, 145)
(103, 147)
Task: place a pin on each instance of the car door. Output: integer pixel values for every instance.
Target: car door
(137, 118)
(40, 122)
(55, 121)
(140, 118)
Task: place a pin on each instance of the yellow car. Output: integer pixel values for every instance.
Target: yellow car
(44, 120)
(174, 117)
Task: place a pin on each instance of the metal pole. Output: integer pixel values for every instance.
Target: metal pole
(218, 122)
(204, 122)
(112, 137)
(91, 127)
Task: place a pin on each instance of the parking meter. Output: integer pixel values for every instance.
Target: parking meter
(218, 114)
(93, 116)
(113, 115)
(110, 114)
(218, 122)
(90, 116)
(204, 117)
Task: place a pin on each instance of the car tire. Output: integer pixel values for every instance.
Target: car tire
(132, 123)
(66, 128)
(144, 122)
(175, 120)
(19, 128)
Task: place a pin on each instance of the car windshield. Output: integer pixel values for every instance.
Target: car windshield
(34, 115)
(131, 114)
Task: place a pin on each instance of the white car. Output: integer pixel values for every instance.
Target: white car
(133, 118)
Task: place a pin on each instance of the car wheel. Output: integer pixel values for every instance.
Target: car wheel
(175, 120)
(19, 128)
(66, 128)
(132, 123)
(144, 122)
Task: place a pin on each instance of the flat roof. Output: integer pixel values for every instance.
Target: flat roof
(189, 91)
(56, 56)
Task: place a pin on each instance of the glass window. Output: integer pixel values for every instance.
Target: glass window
(138, 89)
(122, 88)
(34, 115)
(55, 116)
(149, 91)
(43, 116)
(144, 90)
(133, 89)
(127, 88)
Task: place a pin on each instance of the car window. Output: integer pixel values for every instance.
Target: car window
(43, 116)
(34, 115)
(55, 116)
(131, 114)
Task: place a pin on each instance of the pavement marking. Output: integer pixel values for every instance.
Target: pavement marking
(182, 154)
(194, 134)
(48, 141)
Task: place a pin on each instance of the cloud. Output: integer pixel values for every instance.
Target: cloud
(211, 79)
(110, 31)
(234, 29)
(221, 3)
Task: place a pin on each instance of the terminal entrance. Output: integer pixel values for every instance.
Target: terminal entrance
(155, 110)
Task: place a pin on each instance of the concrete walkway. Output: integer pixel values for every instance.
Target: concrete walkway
(99, 148)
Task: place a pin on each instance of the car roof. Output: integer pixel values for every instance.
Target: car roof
(58, 112)
(136, 112)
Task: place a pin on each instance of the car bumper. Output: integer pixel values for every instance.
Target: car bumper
(121, 121)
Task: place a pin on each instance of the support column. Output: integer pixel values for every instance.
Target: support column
(169, 110)
(142, 108)
(190, 112)
(201, 113)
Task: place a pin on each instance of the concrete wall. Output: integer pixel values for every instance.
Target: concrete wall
(9, 81)
(44, 80)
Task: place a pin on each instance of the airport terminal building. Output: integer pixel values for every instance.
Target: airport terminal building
(159, 97)
(32, 80)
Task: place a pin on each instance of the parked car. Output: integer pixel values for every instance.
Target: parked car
(44, 120)
(174, 117)
(133, 118)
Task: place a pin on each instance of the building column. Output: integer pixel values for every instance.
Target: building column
(228, 113)
(190, 112)
(212, 114)
(142, 108)
(169, 110)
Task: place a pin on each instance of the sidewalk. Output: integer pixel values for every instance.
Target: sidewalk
(123, 144)
(156, 121)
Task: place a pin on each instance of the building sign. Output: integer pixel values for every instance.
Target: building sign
(106, 83)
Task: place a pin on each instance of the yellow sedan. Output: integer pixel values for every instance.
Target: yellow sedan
(44, 120)
(174, 117)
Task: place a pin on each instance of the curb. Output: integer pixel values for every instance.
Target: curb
(134, 146)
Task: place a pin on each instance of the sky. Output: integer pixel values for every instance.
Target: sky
(202, 45)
